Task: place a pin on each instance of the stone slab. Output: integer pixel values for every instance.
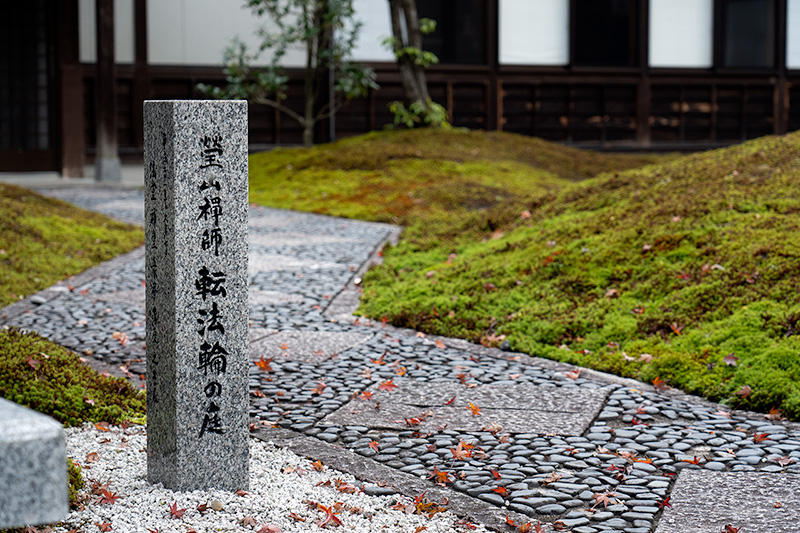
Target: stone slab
(267, 262)
(258, 220)
(196, 235)
(259, 297)
(522, 408)
(33, 469)
(703, 500)
(294, 239)
(307, 346)
(255, 334)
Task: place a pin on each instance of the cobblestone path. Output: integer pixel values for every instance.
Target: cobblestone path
(505, 435)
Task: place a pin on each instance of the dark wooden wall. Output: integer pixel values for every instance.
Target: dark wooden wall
(596, 110)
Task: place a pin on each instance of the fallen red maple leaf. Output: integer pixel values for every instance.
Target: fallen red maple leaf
(760, 437)
(374, 445)
(744, 392)
(330, 516)
(664, 503)
(108, 497)
(387, 385)
(442, 478)
(462, 452)
(263, 364)
(774, 414)
(319, 388)
(269, 528)
(502, 491)
(104, 526)
(174, 511)
(476, 411)
(660, 384)
(730, 360)
(450, 401)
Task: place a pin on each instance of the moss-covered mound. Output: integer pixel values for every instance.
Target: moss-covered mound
(408, 176)
(45, 377)
(688, 271)
(43, 240)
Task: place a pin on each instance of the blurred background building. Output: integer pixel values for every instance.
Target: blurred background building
(606, 74)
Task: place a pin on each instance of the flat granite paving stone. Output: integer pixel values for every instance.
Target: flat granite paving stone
(266, 262)
(258, 219)
(132, 204)
(307, 346)
(294, 239)
(254, 334)
(707, 501)
(522, 408)
(259, 297)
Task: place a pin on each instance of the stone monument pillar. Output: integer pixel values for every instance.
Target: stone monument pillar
(196, 208)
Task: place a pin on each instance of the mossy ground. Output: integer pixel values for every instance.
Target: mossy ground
(43, 240)
(50, 379)
(657, 271)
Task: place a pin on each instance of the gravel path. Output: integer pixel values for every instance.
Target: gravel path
(570, 448)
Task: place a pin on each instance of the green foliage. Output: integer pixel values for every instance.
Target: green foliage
(43, 240)
(658, 271)
(418, 115)
(325, 30)
(49, 379)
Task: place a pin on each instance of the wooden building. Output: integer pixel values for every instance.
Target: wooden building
(607, 74)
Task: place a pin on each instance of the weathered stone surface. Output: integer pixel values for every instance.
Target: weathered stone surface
(33, 470)
(196, 211)
(517, 408)
(263, 262)
(288, 238)
(707, 501)
(309, 346)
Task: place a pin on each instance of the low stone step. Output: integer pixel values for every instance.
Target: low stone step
(33, 470)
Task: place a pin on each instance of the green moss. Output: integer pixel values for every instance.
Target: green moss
(687, 261)
(52, 380)
(75, 483)
(43, 241)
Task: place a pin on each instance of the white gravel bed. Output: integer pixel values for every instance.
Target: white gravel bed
(281, 483)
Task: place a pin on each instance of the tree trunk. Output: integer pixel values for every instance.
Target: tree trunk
(415, 85)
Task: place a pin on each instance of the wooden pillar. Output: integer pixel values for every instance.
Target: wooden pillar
(107, 163)
(141, 77)
(70, 100)
(781, 93)
(644, 94)
(494, 94)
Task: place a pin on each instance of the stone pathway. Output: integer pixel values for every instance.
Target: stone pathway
(503, 434)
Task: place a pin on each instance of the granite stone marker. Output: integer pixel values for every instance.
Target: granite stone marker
(33, 469)
(196, 208)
